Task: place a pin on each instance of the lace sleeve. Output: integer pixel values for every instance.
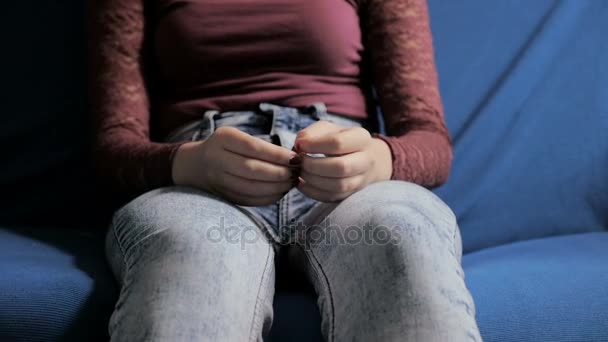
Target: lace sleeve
(398, 37)
(124, 155)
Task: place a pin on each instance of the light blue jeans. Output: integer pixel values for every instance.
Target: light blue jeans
(385, 262)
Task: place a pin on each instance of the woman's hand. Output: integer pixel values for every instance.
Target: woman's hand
(354, 160)
(236, 166)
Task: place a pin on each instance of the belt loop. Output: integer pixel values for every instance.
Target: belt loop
(209, 119)
(319, 110)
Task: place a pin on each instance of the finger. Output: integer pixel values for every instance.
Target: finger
(321, 195)
(254, 169)
(254, 188)
(348, 165)
(319, 129)
(239, 142)
(339, 185)
(346, 140)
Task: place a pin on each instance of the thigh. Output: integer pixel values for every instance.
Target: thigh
(382, 213)
(181, 220)
(192, 265)
(388, 252)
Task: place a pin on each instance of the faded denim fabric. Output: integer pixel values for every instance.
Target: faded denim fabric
(385, 262)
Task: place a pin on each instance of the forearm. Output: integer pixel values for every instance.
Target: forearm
(401, 49)
(131, 166)
(126, 160)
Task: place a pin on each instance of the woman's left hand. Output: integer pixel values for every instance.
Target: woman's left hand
(353, 160)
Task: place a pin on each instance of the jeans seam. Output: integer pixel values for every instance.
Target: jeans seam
(258, 299)
(286, 211)
(455, 231)
(122, 250)
(319, 269)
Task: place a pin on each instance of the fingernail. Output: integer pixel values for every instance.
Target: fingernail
(295, 161)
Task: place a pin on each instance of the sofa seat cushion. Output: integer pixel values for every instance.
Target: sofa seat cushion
(54, 285)
(552, 289)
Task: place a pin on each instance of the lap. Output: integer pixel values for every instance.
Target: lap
(182, 219)
(395, 205)
(387, 217)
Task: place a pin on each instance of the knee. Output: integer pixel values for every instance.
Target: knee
(401, 201)
(398, 214)
(162, 207)
(180, 219)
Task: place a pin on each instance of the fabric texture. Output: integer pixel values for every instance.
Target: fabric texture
(551, 289)
(194, 267)
(54, 286)
(527, 106)
(274, 124)
(138, 84)
(551, 150)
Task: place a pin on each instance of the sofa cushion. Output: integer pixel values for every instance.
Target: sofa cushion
(552, 289)
(525, 87)
(54, 285)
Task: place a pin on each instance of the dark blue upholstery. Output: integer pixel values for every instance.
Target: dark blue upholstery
(54, 285)
(525, 86)
(552, 289)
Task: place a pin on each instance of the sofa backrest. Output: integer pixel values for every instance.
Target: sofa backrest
(525, 87)
(43, 119)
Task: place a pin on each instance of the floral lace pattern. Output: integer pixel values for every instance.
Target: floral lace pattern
(398, 39)
(398, 36)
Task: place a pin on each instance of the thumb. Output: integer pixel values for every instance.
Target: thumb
(307, 137)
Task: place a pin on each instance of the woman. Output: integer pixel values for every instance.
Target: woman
(241, 127)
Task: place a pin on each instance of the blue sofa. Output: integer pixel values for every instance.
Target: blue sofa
(525, 86)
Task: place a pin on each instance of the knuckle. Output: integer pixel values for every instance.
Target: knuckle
(336, 143)
(364, 133)
(249, 166)
(284, 174)
(302, 134)
(222, 131)
(251, 145)
(343, 186)
(342, 167)
(347, 186)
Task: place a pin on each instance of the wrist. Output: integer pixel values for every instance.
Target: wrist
(184, 163)
(383, 160)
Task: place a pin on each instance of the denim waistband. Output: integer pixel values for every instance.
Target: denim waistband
(214, 118)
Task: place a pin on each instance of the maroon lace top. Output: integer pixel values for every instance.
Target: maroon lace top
(155, 65)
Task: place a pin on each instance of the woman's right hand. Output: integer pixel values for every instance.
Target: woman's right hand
(236, 166)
